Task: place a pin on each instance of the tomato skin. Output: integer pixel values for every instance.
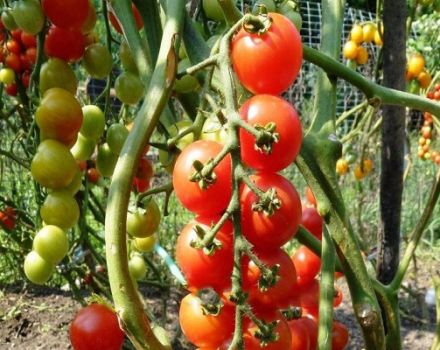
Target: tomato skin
(7, 76)
(31, 55)
(13, 61)
(106, 160)
(259, 110)
(66, 44)
(60, 209)
(307, 265)
(97, 61)
(116, 136)
(28, 40)
(276, 57)
(269, 232)
(13, 46)
(216, 197)
(28, 15)
(137, 17)
(11, 89)
(137, 267)
(144, 223)
(51, 244)
(194, 263)
(57, 73)
(312, 221)
(277, 295)
(340, 336)
(37, 269)
(93, 124)
(300, 335)
(205, 330)
(93, 175)
(129, 88)
(145, 244)
(96, 327)
(67, 13)
(311, 328)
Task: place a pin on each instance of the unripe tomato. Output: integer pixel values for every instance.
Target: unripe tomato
(28, 15)
(187, 83)
(106, 160)
(60, 209)
(416, 64)
(144, 222)
(53, 166)
(116, 136)
(59, 116)
(357, 34)
(37, 269)
(57, 73)
(51, 244)
(129, 88)
(66, 13)
(350, 50)
(8, 20)
(93, 122)
(76, 183)
(295, 18)
(145, 244)
(137, 17)
(67, 44)
(268, 4)
(212, 130)
(213, 10)
(127, 60)
(369, 30)
(97, 61)
(7, 76)
(137, 267)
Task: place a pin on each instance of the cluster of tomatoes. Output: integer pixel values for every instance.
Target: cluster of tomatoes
(426, 132)
(416, 74)
(18, 54)
(359, 34)
(360, 171)
(8, 218)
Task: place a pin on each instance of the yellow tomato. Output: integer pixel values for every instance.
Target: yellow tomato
(357, 34)
(350, 50)
(369, 31)
(416, 64)
(424, 79)
(342, 166)
(362, 55)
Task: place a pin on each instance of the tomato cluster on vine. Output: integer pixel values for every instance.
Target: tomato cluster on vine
(425, 151)
(361, 33)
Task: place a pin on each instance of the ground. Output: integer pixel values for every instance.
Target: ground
(38, 318)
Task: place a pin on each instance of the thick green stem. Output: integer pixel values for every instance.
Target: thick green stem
(127, 302)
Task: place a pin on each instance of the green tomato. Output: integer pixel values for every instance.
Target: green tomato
(7, 76)
(145, 244)
(213, 10)
(97, 61)
(29, 16)
(57, 73)
(137, 267)
(106, 160)
(83, 148)
(76, 183)
(214, 131)
(93, 123)
(144, 222)
(8, 20)
(187, 83)
(129, 88)
(53, 166)
(51, 244)
(37, 269)
(414, 87)
(127, 60)
(268, 4)
(116, 136)
(60, 209)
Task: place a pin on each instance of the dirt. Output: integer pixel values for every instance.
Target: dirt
(38, 318)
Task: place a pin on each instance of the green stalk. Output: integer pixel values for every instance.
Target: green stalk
(128, 304)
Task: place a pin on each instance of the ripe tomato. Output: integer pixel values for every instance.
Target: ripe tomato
(93, 175)
(137, 267)
(67, 44)
(357, 34)
(203, 329)
(350, 50)
(31, 55)
(13, 46)
(195, 263)
(277, 295)
(300, 335)
(57, 73)
(362, 55)
(307, 265)
(369, 30)
(66, 13)
(60, 209)
(129, 88)
(340, 336)
(311, 327)
(261, 110)
(90, 21)
(51, 244)
(144, 174)
(97, 61)
(137, 17)
(28, 40)
(53, 166)
(276, 57)
(144, 221)
(424, 79)
(93, 123)
(11, 89)
(59, 116)
(37, 269)
(28, 15)
(215, 198)
(13, 61)
(116, 136)
(269, 232)
(312, 221)
(282, 330)
(96, 327)
(416, 64)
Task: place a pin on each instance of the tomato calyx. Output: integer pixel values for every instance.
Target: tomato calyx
(259, 24)
(269, 278)
(210, 301)
(201, 176)
(292, 313)
(208, 247)
(268, 202)
(267, 136)
(266, 332)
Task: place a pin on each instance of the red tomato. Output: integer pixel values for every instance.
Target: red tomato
(276, 57)
(261, 110)
(25, 63)
(215, 198)
(66, 13)
(312, 221)
(13, 46)
(137, 16)
(96, 327)
(307, 265)
(28, 40)
(31, 55)
(200, 269)
(309, 298)
(7, 219)
(13, 61)
(282, 330)
(269, 232)
(310, 196)
(11, 89)
(16, 34)
(93, 175)
(340, 336)
(26, 78)
(205, 330)
(66, 44)
(300, 335)
(311, 326)
(277, 295)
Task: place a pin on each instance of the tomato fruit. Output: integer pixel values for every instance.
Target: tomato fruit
(28, 40)
(60, 209)
(96, 327)
(311, 327)
(195, 263)
(106, 160)
(97, 61)
(300, 335)
(312, 221)
(307, 265)
(145, 244)
(268, 232)
(66, 44)
(116, 136)
(215, 198)
(57, 73)
(212, 130)
(83, 148)
(37, 269)
(59, 116)
(93, 123)
(137, 267)
(51, 244)
(53, 166)
(76, 183)
(90, 21)
(129, 88)
(340, 336)
(8, 20)
(93, 175)
(13, 61)
(13, 46)
(416, 64)
(259, 111)
(126, 56)
(144, 222)
(7, 76)
(11, 89)
(204, 329)
(213, 10)
(276, 57)
(66, 13)
(137, 17)
(279, 294)
(28, 15)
